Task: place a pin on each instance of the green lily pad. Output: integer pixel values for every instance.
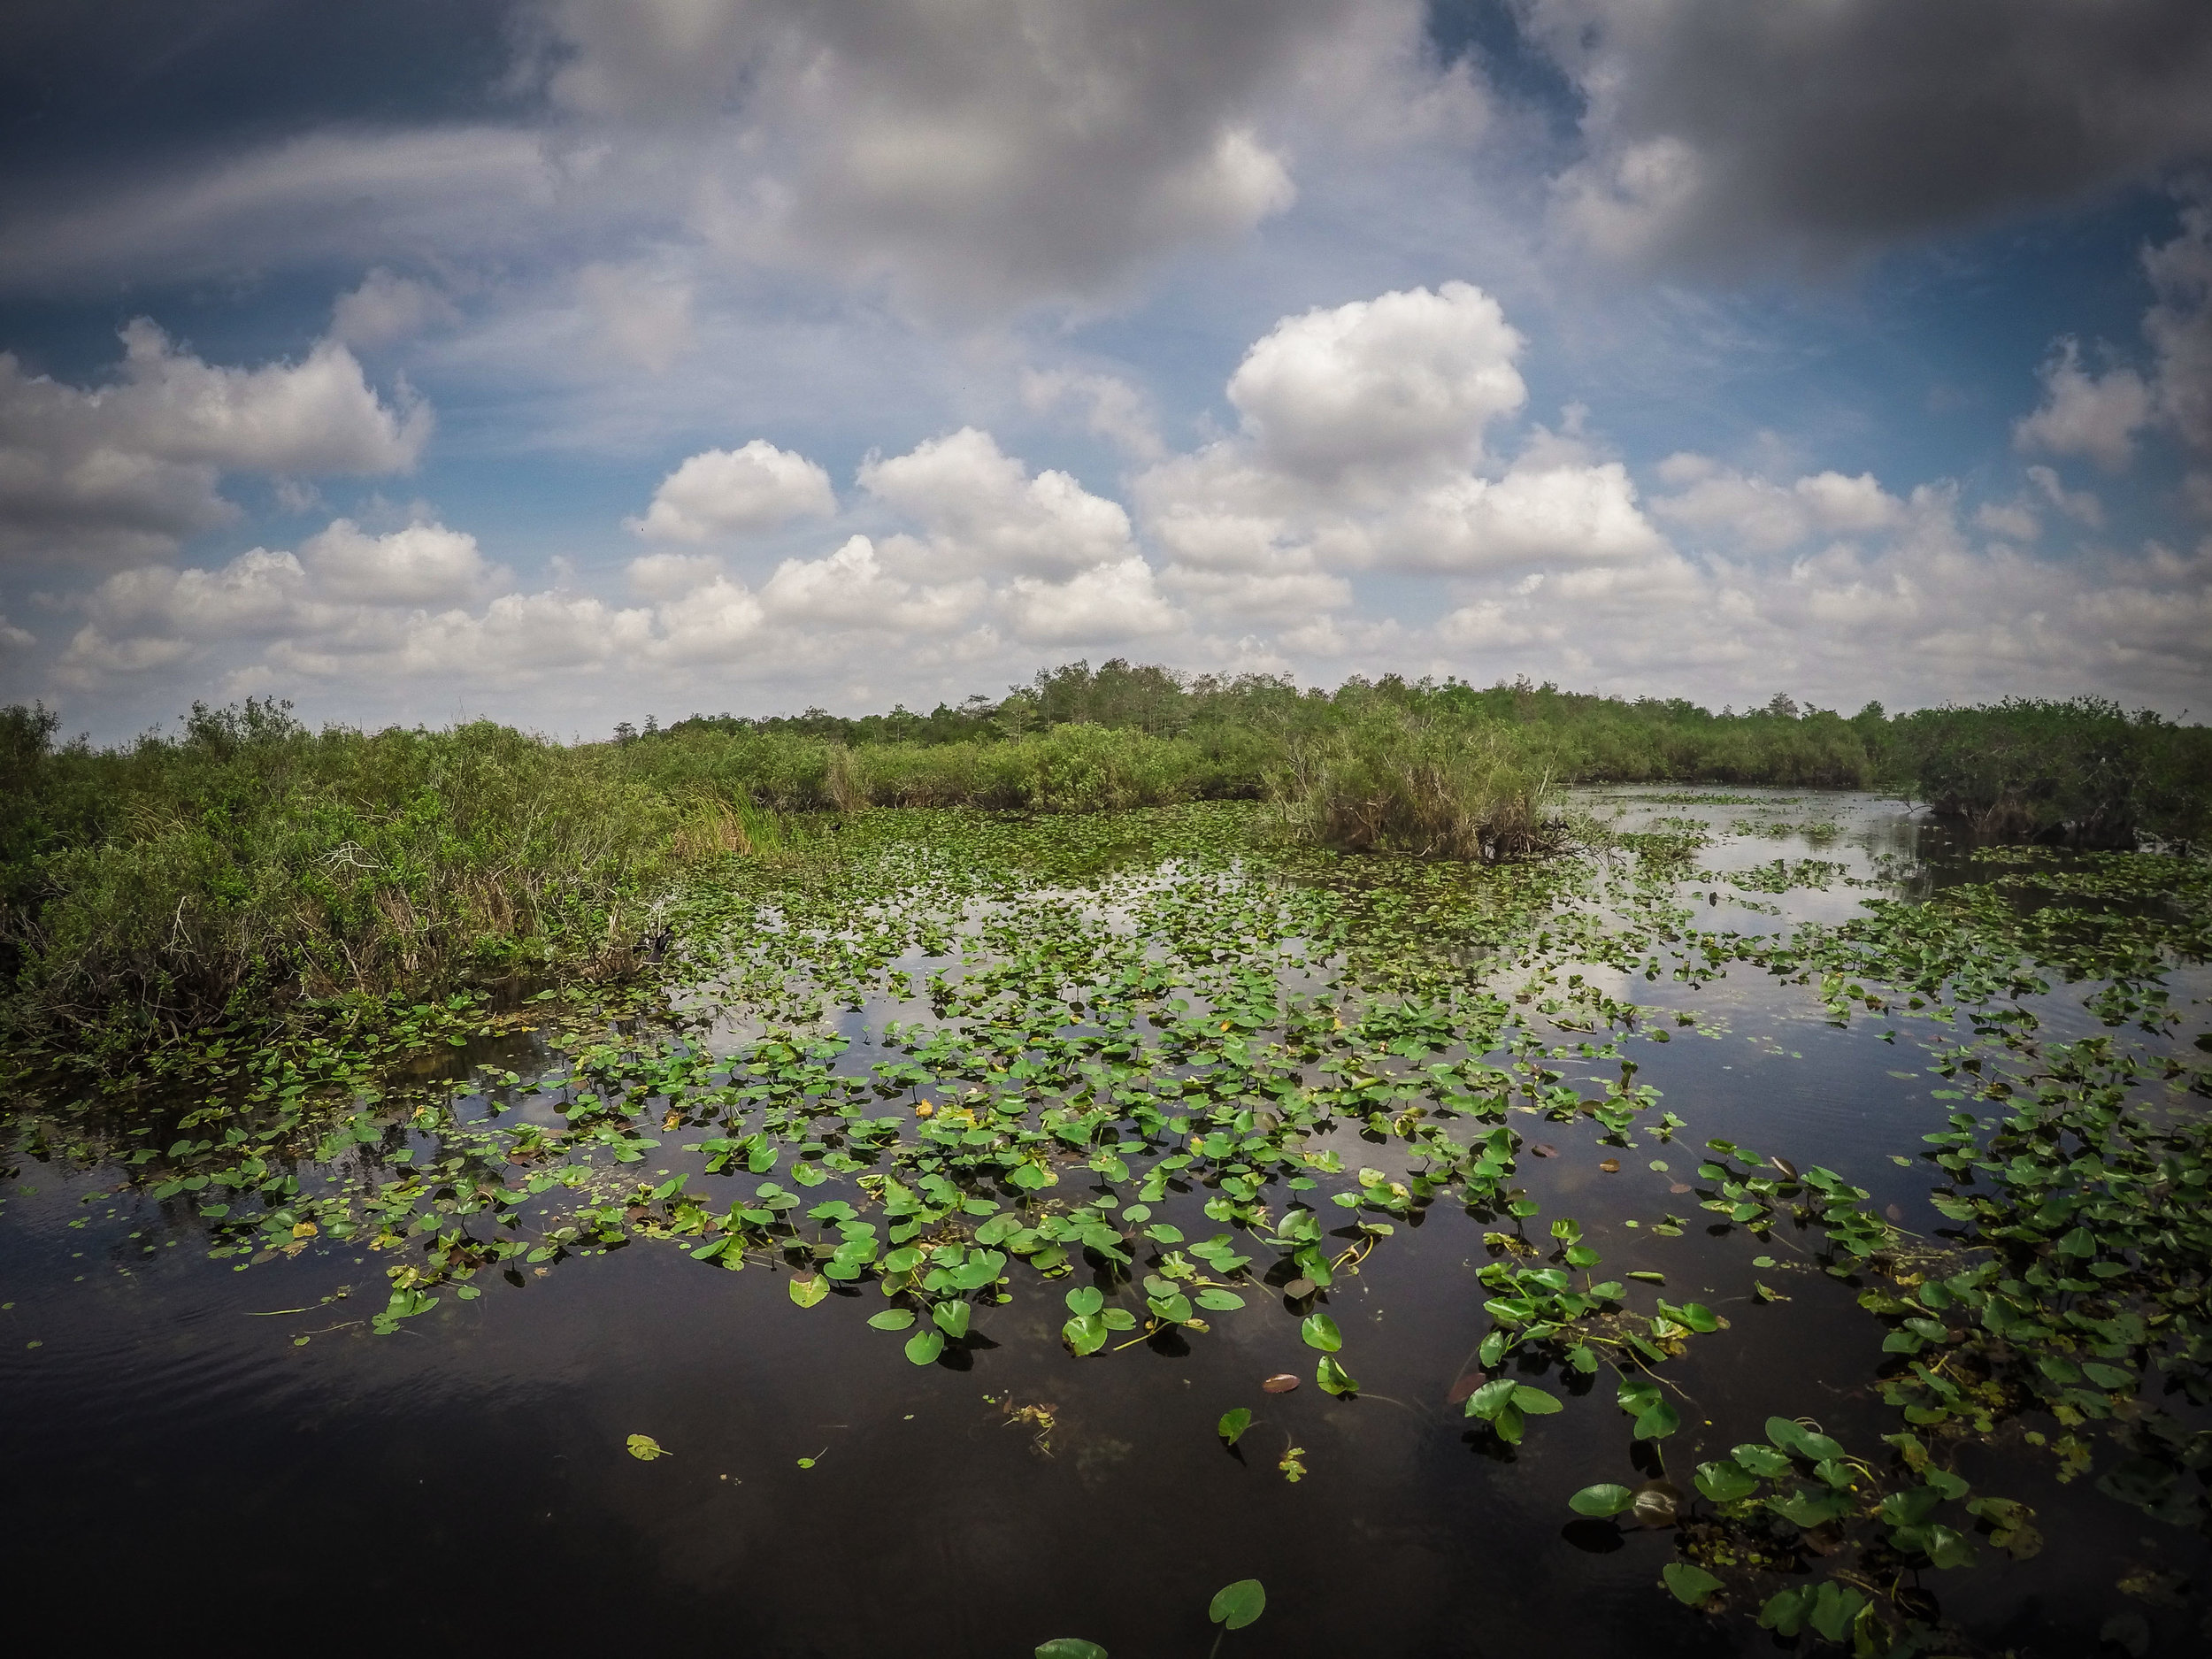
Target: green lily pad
(1235, 1606)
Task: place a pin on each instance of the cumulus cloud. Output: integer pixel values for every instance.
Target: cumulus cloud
(1764, 517)
(981, 511)
(2085, 414)
(132, 466)
(1362, 445)
(2100, 415)
(2080, 505)
(667, 575)
(1718, 130)
(1120, 601)
(422, 564)
(736, 492)
(1405, 380)
(1914, 614)
(851, 589)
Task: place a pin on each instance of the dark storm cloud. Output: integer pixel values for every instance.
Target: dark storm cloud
(126, 77)
(1719, 129)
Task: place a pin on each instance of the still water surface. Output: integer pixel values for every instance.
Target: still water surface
(180, 1465)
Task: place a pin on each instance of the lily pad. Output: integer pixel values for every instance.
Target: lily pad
(1603, 1500)
(1235, 1606)
(1692, 1584)
(645, 1448)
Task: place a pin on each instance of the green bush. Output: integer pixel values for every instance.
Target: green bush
(2083, 771)
(1391, 781)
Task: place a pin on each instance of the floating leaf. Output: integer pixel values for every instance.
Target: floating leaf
(952, 1318)
(1332, 1377)
(1806, 1443)
(893, 1319)
(1281, 1383)
(925, 1345)
(1319, 1331)
(1069, 1647)
(1724, 1482)
(1237, 1605)
(808, 1291)
(1693, 1586)
(645, 1448)
(1086, 1300)
(1611, 1166)
(1232, 1423)
(1299, 1289)
(1601, 1501)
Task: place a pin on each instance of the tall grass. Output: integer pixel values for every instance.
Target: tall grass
(1393, 781)
(246, 862)
(250, 861)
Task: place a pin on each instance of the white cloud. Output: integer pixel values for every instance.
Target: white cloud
(131, 467)
(850, 590)
(386, 309)
(1108, 602)
(258, 593)
(1558, 516)
(1112, 408)
(671, 575)
(2084, 414)
(1766, 517)
(1363, 433)
(2010, 520)
(422, 564)
(736, 492)
(1408, 379)
(2080, 505)
(981, 511)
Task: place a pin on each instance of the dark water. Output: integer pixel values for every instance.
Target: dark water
(177, 1467)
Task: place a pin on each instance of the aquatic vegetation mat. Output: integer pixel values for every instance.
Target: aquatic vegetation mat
(1111, 1088)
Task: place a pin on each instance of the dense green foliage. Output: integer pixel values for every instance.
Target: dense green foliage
(247, 861)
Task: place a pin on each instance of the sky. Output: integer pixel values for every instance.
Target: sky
(571, 362)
